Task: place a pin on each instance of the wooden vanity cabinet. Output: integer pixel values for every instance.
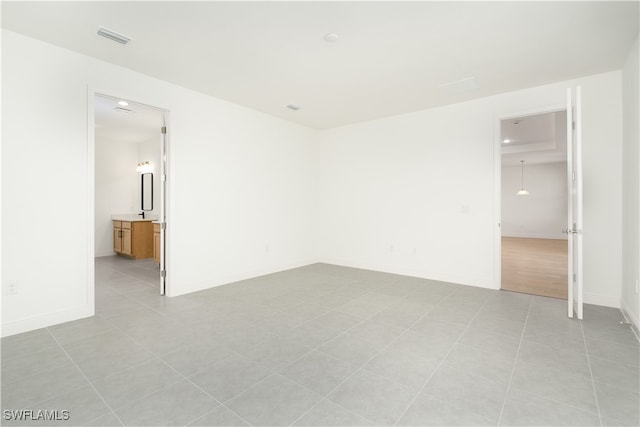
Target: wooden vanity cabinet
(122, 237)
(133, 238)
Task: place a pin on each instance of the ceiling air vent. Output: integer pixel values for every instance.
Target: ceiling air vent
(459, 86)
(123, 110)
(293, 107)
(112, 35)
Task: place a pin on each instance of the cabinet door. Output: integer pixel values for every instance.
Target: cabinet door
(117, 239)
(126, 242)
(156, 246)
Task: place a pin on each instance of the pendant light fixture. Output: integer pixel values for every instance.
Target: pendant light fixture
(522, 191)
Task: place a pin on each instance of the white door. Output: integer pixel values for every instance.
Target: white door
(163, 205)
(574, 217)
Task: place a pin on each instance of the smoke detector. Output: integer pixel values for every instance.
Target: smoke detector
(331, 37)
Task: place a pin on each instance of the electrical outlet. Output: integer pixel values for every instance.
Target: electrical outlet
(390, 248)
(266, 249)
(12, 287)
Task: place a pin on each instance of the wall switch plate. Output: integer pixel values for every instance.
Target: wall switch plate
(12, 287)
(636, 286)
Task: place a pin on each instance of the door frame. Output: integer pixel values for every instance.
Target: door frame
(92, 92)
(497, 180)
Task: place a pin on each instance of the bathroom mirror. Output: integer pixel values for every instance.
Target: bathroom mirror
(147, 191)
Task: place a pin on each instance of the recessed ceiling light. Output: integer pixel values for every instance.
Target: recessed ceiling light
(293, 107)
(331, 37)
(123, 103)
(112, 35)
(506, 141)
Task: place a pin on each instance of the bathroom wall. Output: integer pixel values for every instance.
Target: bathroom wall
(149, 151)
(117, 189)
(118, 186)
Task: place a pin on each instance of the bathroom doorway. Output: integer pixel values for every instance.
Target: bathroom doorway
(534, 194)
(130, 147)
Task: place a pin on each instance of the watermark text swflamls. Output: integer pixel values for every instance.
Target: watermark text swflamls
(35, 415)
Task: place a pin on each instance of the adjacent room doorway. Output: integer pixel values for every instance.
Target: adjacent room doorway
(130, 150)
(539, 181)
(534, 204)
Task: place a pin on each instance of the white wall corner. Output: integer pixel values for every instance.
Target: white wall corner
(201, 286)
(454, 279)
(628, 314)
(603, 300)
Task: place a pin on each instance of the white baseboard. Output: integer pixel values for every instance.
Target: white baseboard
(486, 282)
(201, 286)
(104, 253)
(604, 300)
(47, 319)
(632, 318)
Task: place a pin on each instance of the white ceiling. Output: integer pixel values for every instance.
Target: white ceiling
(536, 139)
(133, 123)
(391, 57)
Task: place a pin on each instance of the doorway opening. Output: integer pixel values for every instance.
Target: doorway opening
(534, 194)
(130, 196)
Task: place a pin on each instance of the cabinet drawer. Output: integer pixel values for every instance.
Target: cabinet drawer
(117, 224)
(126, 224)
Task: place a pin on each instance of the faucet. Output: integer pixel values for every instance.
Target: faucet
(142, 214)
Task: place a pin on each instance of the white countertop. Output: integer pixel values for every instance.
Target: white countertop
(133, 217)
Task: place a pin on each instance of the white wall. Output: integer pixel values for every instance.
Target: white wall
(541, 214)
(239, 180)
(631, 187)
(414, 193)
(116, 191)
(250, 193)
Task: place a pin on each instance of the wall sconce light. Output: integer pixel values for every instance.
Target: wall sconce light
(144, 167)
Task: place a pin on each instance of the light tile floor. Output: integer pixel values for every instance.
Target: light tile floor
(324, 345)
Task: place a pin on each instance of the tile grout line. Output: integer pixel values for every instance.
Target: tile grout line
(421, 389)
(333, 310)
(277, 372)
(314, 349)
(157, 357)
(515, 362)
(128, 275)
(85, 377)
(221, 403)
(69, 358)
(184, 377)
(366, 362)
(593, 384)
